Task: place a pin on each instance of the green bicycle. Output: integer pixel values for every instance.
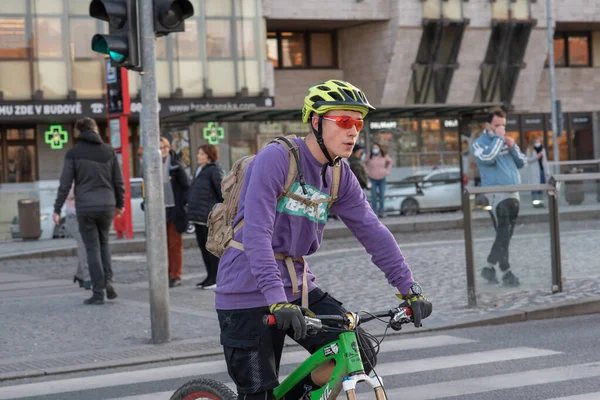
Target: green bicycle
(348, 370)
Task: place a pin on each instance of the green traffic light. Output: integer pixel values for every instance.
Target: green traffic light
(100, 45)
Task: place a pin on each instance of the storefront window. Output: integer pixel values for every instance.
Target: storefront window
(431, 142)
(450, 156)
(20, 134)
(218, 38)
(563, 148)
(21, 164)
(408, 144)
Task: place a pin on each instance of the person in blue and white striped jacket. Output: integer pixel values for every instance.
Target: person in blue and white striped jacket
(499, 160)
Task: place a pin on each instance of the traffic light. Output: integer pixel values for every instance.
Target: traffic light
(122, 44)
(170, 16)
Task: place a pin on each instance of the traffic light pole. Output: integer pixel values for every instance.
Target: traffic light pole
(156, 230)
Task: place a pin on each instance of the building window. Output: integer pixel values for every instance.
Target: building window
(302, 49)
(503, 61)
(186, 43)
(436, 61)
(572, 49)
(448, 9)
(245, 38)
(511, 9)
(218, 38)
(48, 37)
(13, 40)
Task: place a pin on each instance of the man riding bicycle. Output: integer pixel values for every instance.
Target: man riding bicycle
(278, 231)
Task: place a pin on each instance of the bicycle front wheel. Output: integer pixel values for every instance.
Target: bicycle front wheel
(204, 389)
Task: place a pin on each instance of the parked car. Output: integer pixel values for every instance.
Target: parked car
(439, 189)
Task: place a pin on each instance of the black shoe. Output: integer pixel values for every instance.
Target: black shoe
(509, 279)
(110, 292)
(209, 284)
(77, 280)
(200, 284)
(94, 301)
(489, 274)
(174, 282)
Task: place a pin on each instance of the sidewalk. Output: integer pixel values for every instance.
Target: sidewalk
(45, 329)
(335, 229)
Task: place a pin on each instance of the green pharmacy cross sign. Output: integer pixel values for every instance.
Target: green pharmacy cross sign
(56, 137)
(213, 133)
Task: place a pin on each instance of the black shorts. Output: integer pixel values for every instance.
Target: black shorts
(253, 350)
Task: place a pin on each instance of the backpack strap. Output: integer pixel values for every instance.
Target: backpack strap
(336, 173)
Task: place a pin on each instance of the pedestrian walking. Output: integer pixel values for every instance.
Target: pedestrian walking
(378, 167)
(82, 273)
(537, 170)
(499, 159)
(175, 185)
(205, 192)
(357, 167)
(99, 193)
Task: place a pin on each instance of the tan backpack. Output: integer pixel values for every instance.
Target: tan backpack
(220, 219)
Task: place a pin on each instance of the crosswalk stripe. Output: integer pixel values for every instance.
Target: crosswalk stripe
(498, 382)
(148, 396)
(461, 360)
(194, 369)
(585, 396)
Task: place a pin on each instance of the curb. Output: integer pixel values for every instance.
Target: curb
(333, 232)
(565, 309)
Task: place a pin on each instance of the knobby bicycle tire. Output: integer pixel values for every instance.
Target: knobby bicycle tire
(204, 389)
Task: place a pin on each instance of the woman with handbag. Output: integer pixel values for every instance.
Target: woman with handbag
(205, 192)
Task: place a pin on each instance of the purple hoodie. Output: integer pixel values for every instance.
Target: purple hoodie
(253, 278)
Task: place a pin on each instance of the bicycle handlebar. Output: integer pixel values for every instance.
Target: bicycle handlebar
(398, 317)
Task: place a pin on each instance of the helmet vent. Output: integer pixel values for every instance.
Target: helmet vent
(349, 93)
(316, 98)
(324, 88)
(336, 96)
(340, 83)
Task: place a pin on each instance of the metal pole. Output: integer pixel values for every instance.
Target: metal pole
(156, 230)
(470, 258)
(550, 31)
(555, 240)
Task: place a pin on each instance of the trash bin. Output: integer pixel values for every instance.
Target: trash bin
(574, 190)
(29, 219)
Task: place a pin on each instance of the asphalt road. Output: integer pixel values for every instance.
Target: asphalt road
(539, 360)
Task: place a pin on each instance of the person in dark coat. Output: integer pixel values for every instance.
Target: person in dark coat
(99, 194)
(176, 185)
(356, 165)
(205, 192)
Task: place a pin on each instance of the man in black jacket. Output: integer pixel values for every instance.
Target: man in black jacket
(99, 194)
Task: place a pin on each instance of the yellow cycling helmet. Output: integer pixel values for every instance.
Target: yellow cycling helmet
(334, 95)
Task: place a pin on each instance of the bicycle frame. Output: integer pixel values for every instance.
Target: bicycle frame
(348, 371)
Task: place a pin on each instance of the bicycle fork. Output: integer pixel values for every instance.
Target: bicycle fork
(349, 386)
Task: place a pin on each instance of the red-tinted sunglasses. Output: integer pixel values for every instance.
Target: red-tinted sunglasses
(346, 122)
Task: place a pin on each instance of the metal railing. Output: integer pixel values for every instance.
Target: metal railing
(553, 190)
